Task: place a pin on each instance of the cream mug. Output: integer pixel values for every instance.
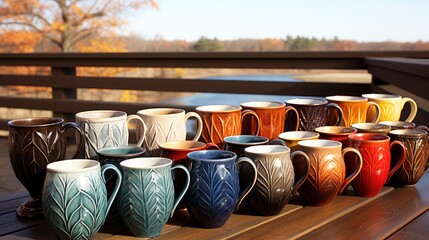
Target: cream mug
(391, 106)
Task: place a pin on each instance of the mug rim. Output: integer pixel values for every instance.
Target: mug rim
(200, 154)
(146, 163)
(409, 125)
(320, 143)
(170, 146)
(346, 98)
(152, 112)
(211, 108)
(296, 101)
(292, 138)
(378, 127)
(229, 140)
(359, 137)
(267, 149)
(80, 116)
(320, 130)
(50, 121)
(254, 104)
(382, 96)
(141, 150)
(409, 133)
(72, 166)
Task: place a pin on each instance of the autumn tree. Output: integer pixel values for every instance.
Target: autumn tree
(65, 23)
(207, 45)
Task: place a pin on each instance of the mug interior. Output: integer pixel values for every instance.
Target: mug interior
(399, 124)
(298, 135)
(319, 143)
(245, 139)
(262, 104)
(161, 111)
(409, 132)
(146, 163)
(336, 130)
(100, 115)
(307, 101)
(381, 96)
(267, 149)
(35, 122)
(212, 155)
(218, 108)
(341, 98)
(73, 165)
(121, 150)
(370, 126)
(182, 145)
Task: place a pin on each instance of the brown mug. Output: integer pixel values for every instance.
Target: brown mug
(272, 117)
(372, 128)
(336, 133)
(220, 121)
(33, 144)
(327, 176)
(416, 162)
(313, 113)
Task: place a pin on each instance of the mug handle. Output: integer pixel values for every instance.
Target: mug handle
(199, 124)
(258, 122)
(290, 108)
(356, 171)
(302, 178)
(211, 146)
(425, 128)
(104, 168)
(377, 111)
(185, 188)
(413, 111)
(397, 164)
(277, 141)
(139, 119)
(247, 190)
(80, 140)
(337, 108)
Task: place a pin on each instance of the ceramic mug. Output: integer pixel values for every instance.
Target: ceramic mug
(178, 150)
(238, 143)
(272, 117)
(378, 165)
(399, 124)
(146, 199)
(416, 162)
(33, 143)
(327, 176)
(75, 201)
(214, 192)
(391, 106)
(165, 125)
(292, 138)
(277, 180)
(372, 128)
(313, 112)
(355, 109)
(336, 133)
(220, 121)
(105, 128)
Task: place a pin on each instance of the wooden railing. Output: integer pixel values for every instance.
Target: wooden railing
(398, 75)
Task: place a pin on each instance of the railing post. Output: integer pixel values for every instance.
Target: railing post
(64, 93)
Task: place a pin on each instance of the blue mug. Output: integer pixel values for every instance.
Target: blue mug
(214, 192)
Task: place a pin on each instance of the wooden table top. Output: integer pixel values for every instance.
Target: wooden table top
(395, 213)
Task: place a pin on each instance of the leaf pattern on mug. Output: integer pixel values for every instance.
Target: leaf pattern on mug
(325, 177)
(353, 112)
(310, 117)
(415, 163)
(75, 207)
(158, 133)
(217, 126)
(274, 184)
(146, 200)
(213, 193)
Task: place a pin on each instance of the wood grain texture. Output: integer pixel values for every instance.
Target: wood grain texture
(417, 229)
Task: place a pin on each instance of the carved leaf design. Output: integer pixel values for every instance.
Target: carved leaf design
(311, 117)
(160, 132)
(146, 199)
(213, 193)
(75, 205)
(217, 126)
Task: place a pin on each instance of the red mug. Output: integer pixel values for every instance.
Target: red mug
(178, 150)
(376, 167)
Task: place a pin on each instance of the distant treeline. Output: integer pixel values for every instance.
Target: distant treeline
(289, 43)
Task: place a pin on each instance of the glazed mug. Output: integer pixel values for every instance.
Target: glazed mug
(146, 199)
(214, 192)
(378, 165)
(336, 133)
(105, 128)
(75, 199)
(391, 106)
(33, 143)
(399, 124)
(313, 112)
(114, 156)
(220, 121)
(165, 125)
(327, 176)
(355, 109)
(292, 138)
(372, 128)
(238, 143)
(277, 180)
(272, 117)
(178, 150)
(416, 160)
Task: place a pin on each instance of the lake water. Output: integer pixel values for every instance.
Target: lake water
(276, 78)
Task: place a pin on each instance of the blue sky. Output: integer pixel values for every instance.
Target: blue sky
(360, 20)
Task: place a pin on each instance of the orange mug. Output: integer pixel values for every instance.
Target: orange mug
(355, 109)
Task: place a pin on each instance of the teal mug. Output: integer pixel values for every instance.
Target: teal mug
(74, 197)
(146, 199)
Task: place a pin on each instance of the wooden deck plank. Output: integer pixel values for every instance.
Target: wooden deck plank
(308, 218)
(380, 218)
(417, 229)
(12, 204)
(10, 223)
